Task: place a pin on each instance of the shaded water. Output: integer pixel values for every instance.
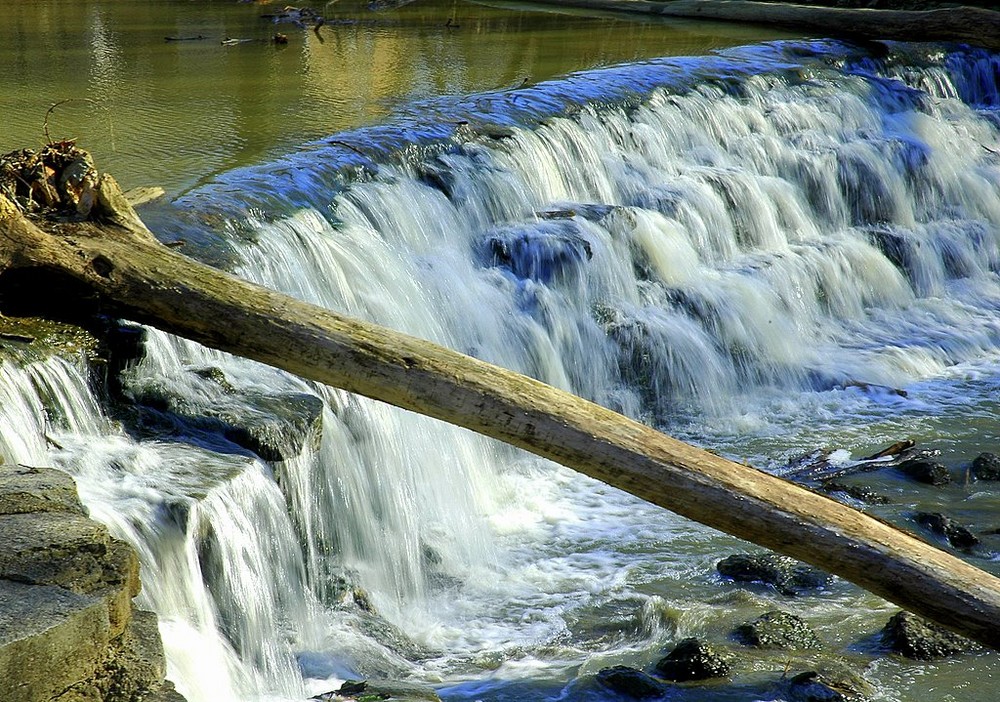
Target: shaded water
(723, 246)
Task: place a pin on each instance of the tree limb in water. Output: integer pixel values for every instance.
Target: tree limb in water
(973, 25)
(130, 274)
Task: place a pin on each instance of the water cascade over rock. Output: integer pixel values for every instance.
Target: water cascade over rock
(763, 250)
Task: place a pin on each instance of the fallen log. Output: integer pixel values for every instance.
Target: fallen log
(121, 267)
(973, 25)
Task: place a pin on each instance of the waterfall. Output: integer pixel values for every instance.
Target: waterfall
(776, 242)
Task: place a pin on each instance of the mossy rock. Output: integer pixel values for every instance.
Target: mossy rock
(778, 630)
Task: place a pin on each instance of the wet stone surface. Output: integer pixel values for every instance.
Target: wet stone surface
(778, 630)
(692, 659)
(916, 638)
(787, 575)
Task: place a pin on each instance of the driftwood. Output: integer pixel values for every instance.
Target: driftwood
(971, 25)
(122, 267)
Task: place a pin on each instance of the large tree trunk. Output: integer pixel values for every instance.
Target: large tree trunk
(138, 278)
(973, 25)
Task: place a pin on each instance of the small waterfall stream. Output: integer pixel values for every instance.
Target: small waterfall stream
(765, 251)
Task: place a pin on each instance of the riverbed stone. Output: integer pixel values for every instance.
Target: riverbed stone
(828, 686)
(374, 690)
(986, 466)
(165, 693)
(926, 471)
(692, 659)
(545, 252)
(787, 575)
(942, 525)
(861, 493)
(631, 682)
(399, 691)
(778, 630)
(914, 637)
(274, 426)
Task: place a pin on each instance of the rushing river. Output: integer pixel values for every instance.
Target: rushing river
(753, 248)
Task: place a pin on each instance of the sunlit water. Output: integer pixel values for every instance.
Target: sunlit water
(168, 113)
(724, 247)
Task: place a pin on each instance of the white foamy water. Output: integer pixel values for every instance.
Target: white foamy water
(763, 263)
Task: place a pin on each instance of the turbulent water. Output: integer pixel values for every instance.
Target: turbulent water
(765, 251)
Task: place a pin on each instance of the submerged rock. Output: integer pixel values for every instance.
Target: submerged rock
(275, 426)
(787, 575)
(861, 493)
(546, 251)
(914, 637)
(619, 620)
(986, 466)
(828, 686)
(692, 659)
(777, 629)
(957, 535)
(402, 691)
(926, 471)
(629, 681)
(375, 690)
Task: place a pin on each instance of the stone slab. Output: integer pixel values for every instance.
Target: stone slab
(24, 489)
(50, 639)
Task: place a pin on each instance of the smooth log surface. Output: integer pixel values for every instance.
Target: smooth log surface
(973, 25)
(140, 279)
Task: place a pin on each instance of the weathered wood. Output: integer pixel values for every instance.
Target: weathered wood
(145, 281)
(973, 25)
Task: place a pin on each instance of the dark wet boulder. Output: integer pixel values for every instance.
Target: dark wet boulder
(123, 346)
(593, 212)
(827, 686)
(275, 426)
(787, 575)
(986, 466)
(925, 471)
(957, 535)
(631, 682)
(400, 691)
(780, 630)
(544, 251)
(692, 659)
(374, 690)
(867, 191)
(437, 175)
(617, 620)
(914, 637)
(861, 493)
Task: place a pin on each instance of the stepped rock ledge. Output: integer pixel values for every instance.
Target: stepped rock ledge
(69, 630)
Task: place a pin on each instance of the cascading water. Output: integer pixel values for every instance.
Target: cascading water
(764, 251)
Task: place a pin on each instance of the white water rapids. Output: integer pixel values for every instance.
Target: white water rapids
(728, 261)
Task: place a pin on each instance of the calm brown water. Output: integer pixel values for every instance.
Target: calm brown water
(171, 113)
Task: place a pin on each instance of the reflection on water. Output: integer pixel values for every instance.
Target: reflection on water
(157, 112)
